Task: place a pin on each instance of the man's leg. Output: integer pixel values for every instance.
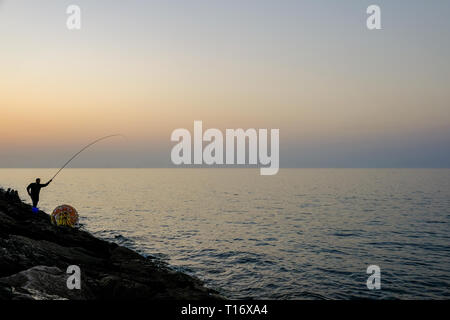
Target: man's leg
(35, 201)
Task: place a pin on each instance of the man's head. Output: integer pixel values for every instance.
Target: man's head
(38, 180)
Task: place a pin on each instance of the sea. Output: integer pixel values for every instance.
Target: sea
(300, 234)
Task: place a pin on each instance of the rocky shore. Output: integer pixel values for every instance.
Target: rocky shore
(35, 256)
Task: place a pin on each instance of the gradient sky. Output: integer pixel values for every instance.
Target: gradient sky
(341, 95)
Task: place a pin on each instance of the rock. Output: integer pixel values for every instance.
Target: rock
(43, 283)
(35, 255)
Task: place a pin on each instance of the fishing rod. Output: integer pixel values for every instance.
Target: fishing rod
(90, 144)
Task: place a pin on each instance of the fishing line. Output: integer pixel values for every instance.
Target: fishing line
(90, 144)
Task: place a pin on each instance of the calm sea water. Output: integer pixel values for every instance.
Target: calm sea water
(304, 233)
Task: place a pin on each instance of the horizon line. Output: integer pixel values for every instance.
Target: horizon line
(223, 167)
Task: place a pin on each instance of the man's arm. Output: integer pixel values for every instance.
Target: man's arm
(28, 189)
(44, 185)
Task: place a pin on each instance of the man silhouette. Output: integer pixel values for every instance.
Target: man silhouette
(34, 189)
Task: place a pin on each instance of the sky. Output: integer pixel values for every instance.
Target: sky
(340, 94)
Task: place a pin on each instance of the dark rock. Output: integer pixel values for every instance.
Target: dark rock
(44, 283)
(34, 257)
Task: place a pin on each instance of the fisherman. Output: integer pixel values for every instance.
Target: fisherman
(34, 189)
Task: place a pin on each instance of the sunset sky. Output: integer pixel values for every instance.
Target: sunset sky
(341, 95)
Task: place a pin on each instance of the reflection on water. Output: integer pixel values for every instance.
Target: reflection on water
(304, 233)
